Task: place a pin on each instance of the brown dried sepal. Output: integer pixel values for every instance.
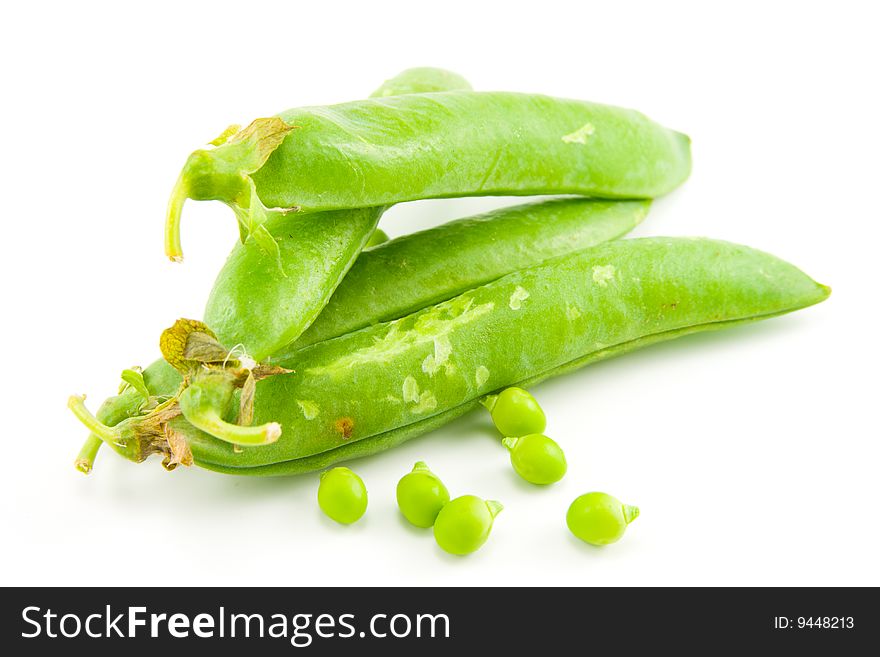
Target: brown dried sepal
(178, 452)
(246, 405)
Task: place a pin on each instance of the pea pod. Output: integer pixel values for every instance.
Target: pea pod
(420, 269)
(372, 389)
(414, 271)
(258, 306)
(378, 152)
(261, 305)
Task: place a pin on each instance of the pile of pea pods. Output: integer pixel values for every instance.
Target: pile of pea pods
(323, 341)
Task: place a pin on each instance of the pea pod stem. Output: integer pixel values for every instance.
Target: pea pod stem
(76, 403)
(121, 438)
(630, 513)
(205, 401)
(495, 507)
(210, 421)
(85, 460)
(179, 195)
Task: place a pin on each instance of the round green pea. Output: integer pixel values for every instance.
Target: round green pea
(599, 518)
(516, 413)
(536, 458)
(342, 495)
(421, 495)
(463, 525)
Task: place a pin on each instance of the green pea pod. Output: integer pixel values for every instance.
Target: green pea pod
(411, 272)
(378, 152)
(372, 389)
(410, 81)
(261, 307)
(417, 270)
(260, 304)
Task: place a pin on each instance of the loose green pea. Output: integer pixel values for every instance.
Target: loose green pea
(599, 518)
(464, 524)
(342, 495)
(516, 413)
(536, 458)
(421, 495)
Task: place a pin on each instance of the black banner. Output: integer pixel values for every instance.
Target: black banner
(434, 621)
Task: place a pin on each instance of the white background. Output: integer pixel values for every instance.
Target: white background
(753, 454)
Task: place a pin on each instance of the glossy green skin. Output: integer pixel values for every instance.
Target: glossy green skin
(460, 143)
(263, 307)
(516, 413)
(430, 266)
(411, 272)
(387, 383)
(421, 495)
(378, 237)
(599, 518)
(537, 458)
(342, 495)
(257, 304)
(463, 525)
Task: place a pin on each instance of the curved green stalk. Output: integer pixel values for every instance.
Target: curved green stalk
(630, 513)
(209, 420)
(495, 507)
(85, 461)
(205, 402)
(76, 403)
(179, 195)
